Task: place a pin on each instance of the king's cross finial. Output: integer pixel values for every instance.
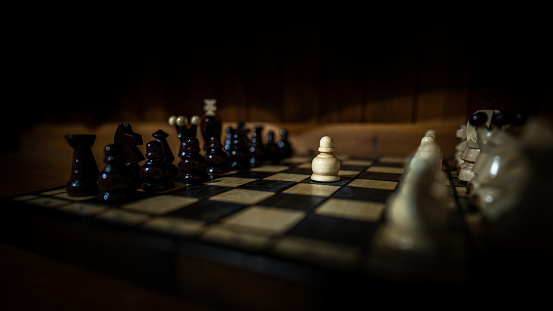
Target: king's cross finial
(210, 107)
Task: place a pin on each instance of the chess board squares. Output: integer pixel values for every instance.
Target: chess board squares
(268, 185)
(352, 209)
(363, 194)
(386, 169)
(297, 159)
(354, 162)
(263, 220)
(253, 227)
(207, 211)
(393, 160)
(380, 176)
(269, 168)
(348, 173)
(288, 177)
(200, 191)
(294, 201)
(159, 204)
(374, 184)
(312, 189)
(229, 181)
(243, 196)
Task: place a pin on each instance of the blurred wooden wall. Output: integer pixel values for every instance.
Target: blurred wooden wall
(314, 67)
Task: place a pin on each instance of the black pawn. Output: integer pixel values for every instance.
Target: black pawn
(217, 159)
(272, 152)
(284, 145)
(84, 169)
(115, 181)
(156, 173)
(239, 154)
(192, 165)
(257, 148)
(229, 133)
(168, 156)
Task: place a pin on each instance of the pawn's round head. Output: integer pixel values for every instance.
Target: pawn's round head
(326, 144)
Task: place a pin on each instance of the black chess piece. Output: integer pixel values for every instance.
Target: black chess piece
(211, 123)
(257, 148)
(168, 156)
(244, 133)
(115, 181)
(128, 140)
(284, 145)
(229, 133)
(185, 129)
(156, 174)
(272, 152)
(239, 154)
(84, 169)
(192, 165)
(217, 159)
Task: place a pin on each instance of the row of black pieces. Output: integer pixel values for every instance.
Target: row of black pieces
(122, 175)
(253, 152)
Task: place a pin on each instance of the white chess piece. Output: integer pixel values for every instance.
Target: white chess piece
(326, 165)
(210, 106)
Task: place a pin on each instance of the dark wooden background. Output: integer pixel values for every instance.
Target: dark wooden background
(314, 66)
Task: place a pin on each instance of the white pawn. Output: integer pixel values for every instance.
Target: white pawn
(326, 165)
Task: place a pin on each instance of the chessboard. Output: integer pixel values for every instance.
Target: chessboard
(271, 220)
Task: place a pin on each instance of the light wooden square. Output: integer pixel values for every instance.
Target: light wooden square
(263, 220)
(360, 210)
(305, 165)
(176, 225)
(229, 181)
(386, 169)
(374, 184)
(288, 177)
(313, 189)
(242, 196)
(270, 168)
(161, 204)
